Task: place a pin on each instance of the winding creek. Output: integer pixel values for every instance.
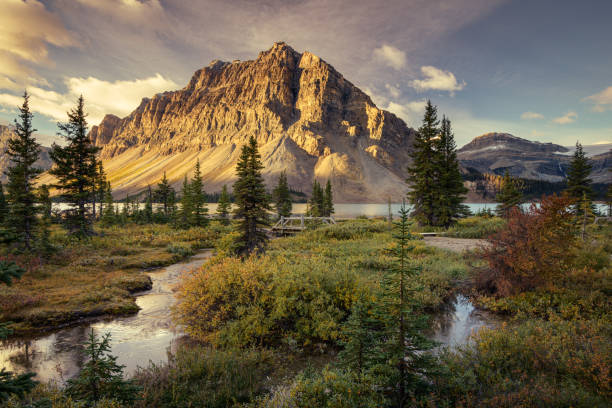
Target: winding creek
(149, 335)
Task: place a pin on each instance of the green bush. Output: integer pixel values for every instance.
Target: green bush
(475, 227)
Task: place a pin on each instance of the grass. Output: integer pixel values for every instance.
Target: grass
(96, 277)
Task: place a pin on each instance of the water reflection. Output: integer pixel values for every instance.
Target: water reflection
(136, 340)
(460, 319)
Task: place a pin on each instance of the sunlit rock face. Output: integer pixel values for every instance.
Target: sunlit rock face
(7, 132)
(307, 118)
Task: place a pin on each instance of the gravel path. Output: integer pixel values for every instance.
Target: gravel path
(455, 244)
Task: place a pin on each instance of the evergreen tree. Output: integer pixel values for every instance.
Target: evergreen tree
(9, 271)
(282, 197)
(578, 181)
(223, 205)
(198, 199)
(3, 206)
(422, 172)
(148, 208)
(108, 216)
(100, 186)
(251, 201)
(328, 200)
(125, 210)
(510, 195)
(101, 376)
(74, 170)
(186, 214)
(44, 199)
(163, 194)
(45, 206)
(408, 367)
(451, 190)
(316, 203)
(23, 151)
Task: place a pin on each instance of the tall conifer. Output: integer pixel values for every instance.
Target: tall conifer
(23, 151)
(282, 197)
(223, 205)
(75, 170)
(198, 198)
(578, 181)
(510, 195)
(251, 201)
(328, 200)
(422, 172)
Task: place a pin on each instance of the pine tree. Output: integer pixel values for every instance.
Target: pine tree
(186, 214)
(163, 194)
(198, 199)
(578, 181)
(9, 271)
(510, 195)
(44, 200)
(108, 216)
(251, 202)
(74, 170)
(125, 210)
(223, 205)
(328, 200)
(100, 186)
(44, 233)
(316, 203)
(23, 151)
(422, 172)
(148, 208)
(101, 377)
(406, 343)
(282, 197)
(451, 190)
(3, 206)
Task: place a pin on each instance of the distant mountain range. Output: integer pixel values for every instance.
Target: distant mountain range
(497, 152)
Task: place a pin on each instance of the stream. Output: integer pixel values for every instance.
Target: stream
(149, 335)
(146, 336)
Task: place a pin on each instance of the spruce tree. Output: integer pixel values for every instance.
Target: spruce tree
(408, 366)
(125, 210)
(198, 199)
(186, 214)
(108, 216)
(223, 205)
(101, 377)
(578, 181)
(316, 202)
(44, 233)
(23, 151)
(3, 205)
(282, 197)
(75, 170)
(100, 186)
(509, 196)
(44, 200)
(162, 194)
(328, 200)
(449, 182)
(422, 172)
(148, 207)
(251, 202)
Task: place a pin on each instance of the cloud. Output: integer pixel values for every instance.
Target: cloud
(410, 111)
(602, 100)
(437, 79)
(569, 117)
(532, 115)
(393, 90)
(101, 97)
(391, 56)
(26, 31)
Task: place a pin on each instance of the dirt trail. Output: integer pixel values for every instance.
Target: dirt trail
(455, 244)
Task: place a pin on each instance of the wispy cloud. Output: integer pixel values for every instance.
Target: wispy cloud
(602, 100)
(411, 111)
(569, 117)
(438, 80)
(27, 28)
(101, 97)
(532, 115)
(391, 56)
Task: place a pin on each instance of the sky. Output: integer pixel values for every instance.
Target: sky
(540, 70)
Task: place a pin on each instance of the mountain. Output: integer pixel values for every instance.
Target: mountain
(307, 118)
(497, 152)
(6, 132)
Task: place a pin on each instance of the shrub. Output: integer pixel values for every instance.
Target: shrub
(537, 363)
(199, 376)
(265, 301)
(533, 249)
(475, 227)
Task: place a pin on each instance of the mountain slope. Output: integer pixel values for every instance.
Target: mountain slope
(497, 152)
(6, 132)
(308, 120)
